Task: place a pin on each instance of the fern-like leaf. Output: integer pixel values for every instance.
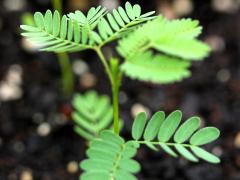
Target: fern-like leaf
(58, 34)
(164, 129)
(157, 69)
(92, 114)
(76, 31)
(120, 22)
(175, 37)
(110, 158)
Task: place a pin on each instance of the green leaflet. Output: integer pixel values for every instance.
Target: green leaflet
(168, 150)
(95, 175)
(48, 21)
(201, 153)
(153, 126)
(118, 164)
(93, 113)
(185, 153)
(56, 24)
(160, 130)
(169, 126)
(138, 125)
(39, 20)
(157, 69)
(187, 129)
(205, 136)
(63, 30)
(184, 48)
(129, 10)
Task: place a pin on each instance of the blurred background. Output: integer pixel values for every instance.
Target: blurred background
(36, 136)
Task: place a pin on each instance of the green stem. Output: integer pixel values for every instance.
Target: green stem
(67, 75)
(115, 96)
(105, 64)
(64, 61)
(169, 144)
(115, 79)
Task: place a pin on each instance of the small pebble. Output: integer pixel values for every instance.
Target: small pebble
(226, 6)
(38, 118)
(18, 147)
(137, 108)
(80, 67)
(14, 5)
(26, 175)
(12, 176)
(237, 140)
(217, 151)
(183, 7)
(72, 167)
(29, 46)
(216, 43)
(9, 91)
(60, 119)
(44, 129)
(88, 80)
(109, 4)
(14, 75)
(166, 9)
(203, 121)
(223, 75)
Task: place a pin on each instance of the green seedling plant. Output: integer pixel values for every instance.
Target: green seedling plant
(150, 48)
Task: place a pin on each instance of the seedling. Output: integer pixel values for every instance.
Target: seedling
(151, 49)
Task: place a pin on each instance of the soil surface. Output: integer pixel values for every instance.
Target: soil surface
(36, 136)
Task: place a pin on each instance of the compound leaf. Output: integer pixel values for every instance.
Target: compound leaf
(173, 37)
(93, 113)
(119, 164)
(159, 131)
(55, 33)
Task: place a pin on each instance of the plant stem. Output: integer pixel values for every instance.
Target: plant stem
(67, 75)
(115, 80)
(64, 61)
(169, 144)
(115, 96)
(105, 64)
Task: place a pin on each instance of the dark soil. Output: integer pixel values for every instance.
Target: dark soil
(208, 93)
